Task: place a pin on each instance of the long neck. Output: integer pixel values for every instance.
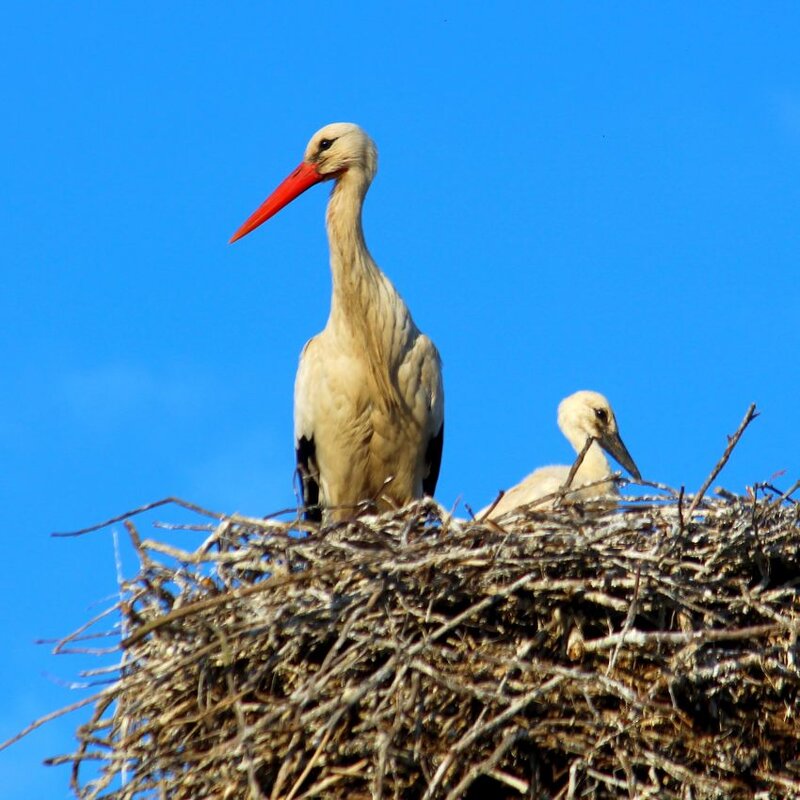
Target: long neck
(364, 304)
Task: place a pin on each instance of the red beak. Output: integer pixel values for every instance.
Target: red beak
(304, 177)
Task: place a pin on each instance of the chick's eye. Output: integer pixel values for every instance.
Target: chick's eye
(325, 144)
(601, 414)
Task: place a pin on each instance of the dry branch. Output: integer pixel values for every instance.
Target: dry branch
(749, 416)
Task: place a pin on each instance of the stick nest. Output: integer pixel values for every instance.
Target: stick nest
(581, 652)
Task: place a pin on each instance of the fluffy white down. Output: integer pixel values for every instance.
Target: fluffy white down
(582, 415)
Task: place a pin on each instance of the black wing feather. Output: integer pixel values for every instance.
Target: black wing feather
(306, 468)
(433, 458)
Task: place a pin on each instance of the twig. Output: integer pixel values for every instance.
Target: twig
(274, 582)
(486, 765)
(576, 465)
(51, 716)
(629, 618)
(148, 507)
(492, 507)
(644, 638)
(732, 442)
(787, 495)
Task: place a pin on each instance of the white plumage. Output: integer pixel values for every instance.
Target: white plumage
(369, 399)
(580, 416)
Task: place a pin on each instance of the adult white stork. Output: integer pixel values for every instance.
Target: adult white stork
(368, 398)
(581, 416)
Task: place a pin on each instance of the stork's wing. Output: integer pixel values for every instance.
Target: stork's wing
(305, 449)
(433, 388)
(305, 453)
(433, 460)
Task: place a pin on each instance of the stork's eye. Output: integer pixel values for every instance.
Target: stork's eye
(601, 414)
(325, 144)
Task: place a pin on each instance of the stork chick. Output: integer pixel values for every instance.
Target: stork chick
(581, 416)
(369, 399)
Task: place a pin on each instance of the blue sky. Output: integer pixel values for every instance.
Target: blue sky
(577, 195)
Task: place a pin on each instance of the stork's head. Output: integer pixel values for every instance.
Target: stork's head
(586, 414)
(333, 151)
(339, 147)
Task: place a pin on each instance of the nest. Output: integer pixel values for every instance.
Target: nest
(645, 650)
